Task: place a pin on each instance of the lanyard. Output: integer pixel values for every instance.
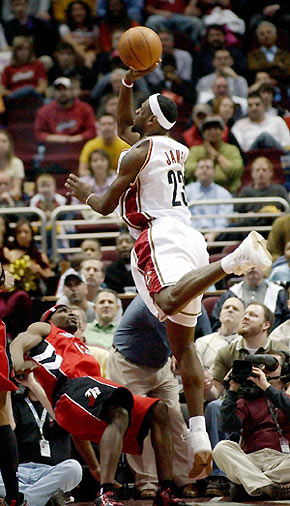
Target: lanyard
(275, 418)
(39, 421)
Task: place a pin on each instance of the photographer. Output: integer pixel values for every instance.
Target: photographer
(260, 465)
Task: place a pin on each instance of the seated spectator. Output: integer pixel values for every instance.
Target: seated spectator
(279, 236)
(220, 88)
(215, 38)
(269, 57)
(134, 9)
(232, 312)
(25, 75)
(118, 274)
(73, 268)
(266, 92)
(183, 59)
(44, 476)
(43, 34)
(258, 130)
(116, 15)
(38, 9)
(58, 8)
(259, 465)
(282, 272)
(47, 199)
(226, 108)
(66, 119)
(227, 160)
(205, 189)
(109, 60)
(109, 106)
(223, 63)
(81, 32)
(75, 294)
(176, 16)
(11, 165)
(193, 135)
(6, 196)
(264, 78)
(91, 248)
(100, 332)
(65, 64)
(255, 287)
(107, 141)
(100, 176)
(92, 270)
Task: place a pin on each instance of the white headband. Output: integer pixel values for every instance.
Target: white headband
(155, 108)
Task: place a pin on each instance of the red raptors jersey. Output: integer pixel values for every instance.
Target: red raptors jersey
(5, 362)
(62, 355)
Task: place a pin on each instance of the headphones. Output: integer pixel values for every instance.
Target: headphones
(285, 370)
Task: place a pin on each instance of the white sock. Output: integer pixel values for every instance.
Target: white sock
(228, 263)
(197, 423)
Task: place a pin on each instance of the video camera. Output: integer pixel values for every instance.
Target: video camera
(242, 369)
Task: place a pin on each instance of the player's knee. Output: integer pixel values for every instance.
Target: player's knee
(120, 418)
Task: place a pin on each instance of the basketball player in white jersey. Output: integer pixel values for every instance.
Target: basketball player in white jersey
(169, 260)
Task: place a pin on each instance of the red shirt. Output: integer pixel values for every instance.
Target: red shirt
(26, 74)
(54, 119)
(176, 6)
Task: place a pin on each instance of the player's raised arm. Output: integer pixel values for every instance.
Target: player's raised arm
(24, 342)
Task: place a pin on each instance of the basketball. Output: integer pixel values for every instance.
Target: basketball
(140, 47)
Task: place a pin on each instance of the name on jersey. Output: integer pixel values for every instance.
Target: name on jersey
(174, 156)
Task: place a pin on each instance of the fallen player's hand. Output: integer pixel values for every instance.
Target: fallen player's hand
(77, 188)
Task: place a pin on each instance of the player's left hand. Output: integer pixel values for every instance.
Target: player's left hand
(78, 188)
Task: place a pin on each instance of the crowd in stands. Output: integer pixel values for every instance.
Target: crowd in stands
(226, 64)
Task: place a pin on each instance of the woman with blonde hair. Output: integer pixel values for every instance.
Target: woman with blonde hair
(25, 75)
(10, 164)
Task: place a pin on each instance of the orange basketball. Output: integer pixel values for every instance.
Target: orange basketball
(140, 47)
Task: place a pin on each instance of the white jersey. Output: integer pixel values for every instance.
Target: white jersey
(158, 189)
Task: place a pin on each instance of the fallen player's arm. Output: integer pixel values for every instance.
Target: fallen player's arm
(30, 382)
(24, 342)
(105, 204)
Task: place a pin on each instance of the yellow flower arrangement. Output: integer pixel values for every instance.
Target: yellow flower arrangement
(25, 279)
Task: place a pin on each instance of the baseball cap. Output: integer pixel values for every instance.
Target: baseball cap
(71, 277)
(204, 108)
(48, 314)
(62, 81)
(213, 121)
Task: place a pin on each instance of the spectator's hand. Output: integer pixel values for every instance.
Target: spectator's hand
(271, 10)
(211, 151)
(35, 268)
(228, 72)
(9, 282)
(5, 196)
(208, 380)
(75, 138)
(78, 188)
(210, 236)
(260, 380)
(173, 364)
(132, 74)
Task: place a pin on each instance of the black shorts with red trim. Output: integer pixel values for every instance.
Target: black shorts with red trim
(6, 385)
(82, 404)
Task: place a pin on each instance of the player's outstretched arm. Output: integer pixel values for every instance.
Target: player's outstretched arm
(107, 203)
(24, 342)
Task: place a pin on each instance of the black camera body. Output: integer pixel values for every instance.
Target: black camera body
(242, 369)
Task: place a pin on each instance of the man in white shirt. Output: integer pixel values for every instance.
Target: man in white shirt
(223, 62)
(258, 131)
(205, 189)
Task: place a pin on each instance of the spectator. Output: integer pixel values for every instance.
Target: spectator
(258, 465)
(279, 236)
(81, 32)
(74, 268)
(65, 64)
(230, 317)
(107, 140)
(183, 59)
(140, 360)
(258, 131)
(193, 135)
(226, 108)
(91, 248)
(268, 57)
(282, 272)
(43, 34)
(6, 196)
(281, 333)
(66, 119)
(75, 294)
(118, 274)
(43, 476)
(110, 60)
(220, 88)
(176, 16)
(134, 9)
(100, 176)
(255, 288)
(215, 38)
(100, 332)
(38, 8)
(92, 271)
(115, 16)
(109, 106)
(10, 164)
(205, 189)
(227, 160)
(58, 8)
(25, 75)
(266, 92)
(223, 63)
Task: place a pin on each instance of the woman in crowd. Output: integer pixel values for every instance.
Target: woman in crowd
(81, 32)
(25, 75)
(10, 164)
